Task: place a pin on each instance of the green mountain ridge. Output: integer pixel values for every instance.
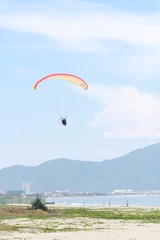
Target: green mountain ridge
(138, 170)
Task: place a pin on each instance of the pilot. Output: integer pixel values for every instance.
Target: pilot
(64, 121)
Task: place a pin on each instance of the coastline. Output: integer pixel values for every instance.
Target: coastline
(104, 201)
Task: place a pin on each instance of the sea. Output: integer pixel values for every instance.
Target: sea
(102, 201)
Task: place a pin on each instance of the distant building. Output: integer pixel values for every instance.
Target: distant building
(62, 191)
(1, 191)
(14, 193)
(26, 187)
(123, 192)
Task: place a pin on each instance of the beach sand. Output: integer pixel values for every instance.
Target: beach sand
(79, 229)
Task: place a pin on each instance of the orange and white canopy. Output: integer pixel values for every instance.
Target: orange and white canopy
(64, 76)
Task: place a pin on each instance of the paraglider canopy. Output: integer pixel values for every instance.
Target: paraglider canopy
(64, 76)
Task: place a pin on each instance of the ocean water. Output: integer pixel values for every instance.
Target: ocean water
(98, 201)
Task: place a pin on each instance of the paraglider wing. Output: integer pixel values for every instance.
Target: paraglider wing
(64, 76)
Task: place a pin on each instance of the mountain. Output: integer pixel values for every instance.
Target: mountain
(138, 170)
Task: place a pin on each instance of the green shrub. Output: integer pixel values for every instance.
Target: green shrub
(38, 204)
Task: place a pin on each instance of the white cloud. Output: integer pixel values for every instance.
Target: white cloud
(126, 112)
(86, 26)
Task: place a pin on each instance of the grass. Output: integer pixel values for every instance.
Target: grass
(65, 229)
(9, 212)
(60, 219)
(145, 215)
(5, 227)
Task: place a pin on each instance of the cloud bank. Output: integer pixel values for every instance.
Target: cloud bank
(84, 26)
(126, 112)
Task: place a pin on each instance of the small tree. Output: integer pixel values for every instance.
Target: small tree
(38, 204)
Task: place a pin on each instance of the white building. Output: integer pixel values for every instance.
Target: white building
(123, 191)
(26, 187)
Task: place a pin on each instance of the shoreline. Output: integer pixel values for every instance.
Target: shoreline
(51, 206)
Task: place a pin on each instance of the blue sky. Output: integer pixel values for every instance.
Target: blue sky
(114, 45)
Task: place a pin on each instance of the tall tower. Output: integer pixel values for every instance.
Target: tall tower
(26, 187)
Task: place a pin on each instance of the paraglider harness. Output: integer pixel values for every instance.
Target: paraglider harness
(64, 121)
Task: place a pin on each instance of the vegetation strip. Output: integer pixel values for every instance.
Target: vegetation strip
(143, 214)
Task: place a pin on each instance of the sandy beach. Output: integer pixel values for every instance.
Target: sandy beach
(78, 229)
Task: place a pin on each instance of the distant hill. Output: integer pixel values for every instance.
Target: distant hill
(138, 170)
